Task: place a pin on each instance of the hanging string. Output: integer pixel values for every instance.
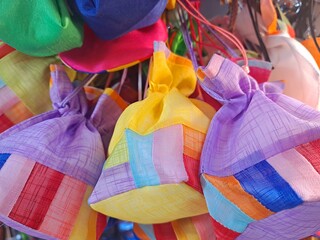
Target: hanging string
(140, 82)
(123, 78)
(254, 21)
(223, 43)
(83, 83)
(222, 31)
(187, 39)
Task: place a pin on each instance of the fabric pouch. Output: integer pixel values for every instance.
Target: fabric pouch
(56, 158)
(39, 28)
(151, 174)
(114, 18)
(260, 160)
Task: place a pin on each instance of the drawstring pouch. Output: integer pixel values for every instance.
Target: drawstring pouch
(39, 28)
(260, 163)
(114, 18)
(96, 55)
(151, 174)
(57, 157)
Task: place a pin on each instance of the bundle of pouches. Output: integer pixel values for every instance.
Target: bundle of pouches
(39, 28)
(260, 160)
(292, 62)
(96, 55)
(195, 228)
(151, 174)
(114, 18)
(57, 158)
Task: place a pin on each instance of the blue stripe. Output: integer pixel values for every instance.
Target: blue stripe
(268, 187)
(140, 158)
(3, 158)
(223, 210)
(2, 84)
(148, 230)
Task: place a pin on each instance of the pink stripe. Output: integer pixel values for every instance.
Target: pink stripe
(64, 209)
(299, 173)
(168, 154)
(13, 176)
(7, 99)
(204, 226)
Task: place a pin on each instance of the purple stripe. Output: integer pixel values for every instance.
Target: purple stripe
(22, 228)
(113, 181)
(295, 223)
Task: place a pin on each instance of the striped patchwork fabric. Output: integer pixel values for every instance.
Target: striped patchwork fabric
(12, 109)
(260, 162)
(57, 158)
(152, 173)
(195, 228)
(163, 166)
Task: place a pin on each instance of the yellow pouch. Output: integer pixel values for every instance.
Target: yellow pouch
(151, 174)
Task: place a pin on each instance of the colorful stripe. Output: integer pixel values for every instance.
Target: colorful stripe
(38, 193)
(311, 151)
(147, 229)
(264, 183)
(168, 151)
(113, 181)
(223, 233)
(192, 168)
(140, 157)
(184, 229)
(299, 173)
(119, 155)
(11, 184)
(18, 113)
(164, 231)
(193, 142)
(222, 210)
(64, 209)
(5, 123)
(84, 226)
(3, 158)
(232, 190)
(204, 227)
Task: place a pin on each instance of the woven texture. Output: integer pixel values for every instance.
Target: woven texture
(36, 28)
(57, 157)
(113, 19)
(96, 55)
(28, 77)
(260, 160)
(151, 174)
(195, 228)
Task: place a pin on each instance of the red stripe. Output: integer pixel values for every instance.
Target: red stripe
(101, 225)
(36, 196)
(164, 231)
(192, 167)
(222, 232)
(5, 123)
(5, 49)
(311, 151)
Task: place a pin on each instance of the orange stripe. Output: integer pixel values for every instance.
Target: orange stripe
(233, 191)
(139, 232)
(115, 97)
(193, 142)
